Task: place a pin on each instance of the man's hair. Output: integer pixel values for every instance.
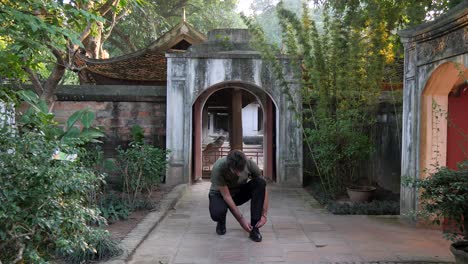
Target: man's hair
(236, 160)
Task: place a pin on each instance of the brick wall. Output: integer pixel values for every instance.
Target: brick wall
(117, 109)
(117, 119)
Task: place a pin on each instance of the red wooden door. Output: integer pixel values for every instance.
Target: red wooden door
(457, 129)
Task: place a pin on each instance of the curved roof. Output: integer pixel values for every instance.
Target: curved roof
(147, 65)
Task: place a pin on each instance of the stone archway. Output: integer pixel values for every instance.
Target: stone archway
(268, 107)
(435, 55)
(227, 59)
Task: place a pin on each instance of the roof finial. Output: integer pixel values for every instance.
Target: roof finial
(183, 13)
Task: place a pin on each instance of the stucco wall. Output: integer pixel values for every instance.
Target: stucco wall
(215, 65)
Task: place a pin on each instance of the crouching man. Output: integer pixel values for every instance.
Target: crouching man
(234, 181)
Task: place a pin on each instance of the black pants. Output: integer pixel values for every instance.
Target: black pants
(253, 190)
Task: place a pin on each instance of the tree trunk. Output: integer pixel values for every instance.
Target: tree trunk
(92, 43)
(50, 86)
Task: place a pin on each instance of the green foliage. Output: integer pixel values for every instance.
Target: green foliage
(30, 29)
(44, 206)
(342, 69)
(445, 196)
(345, 58)
(141, 27)
(375, 207)
(141, 166)
(38, 118)
(137, 134)
(105, 248)
(113, 207)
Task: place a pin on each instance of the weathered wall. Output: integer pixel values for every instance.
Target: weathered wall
(427, 47)
(385, 163)
(228, 62)
(117, 109)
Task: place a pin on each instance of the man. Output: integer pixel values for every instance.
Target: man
(234, 181)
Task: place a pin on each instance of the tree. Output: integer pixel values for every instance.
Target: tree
(39, 39)
(139, 28)
(343, 66)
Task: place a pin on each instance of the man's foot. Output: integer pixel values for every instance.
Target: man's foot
(255, 235)
(221, 228)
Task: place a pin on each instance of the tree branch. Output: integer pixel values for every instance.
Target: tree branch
(126, 39)
(125, 49)
(19, 256)
(107, 7)
(54, 78)
(57, 54)
(86, 32)
(36, 83)
(113, 22)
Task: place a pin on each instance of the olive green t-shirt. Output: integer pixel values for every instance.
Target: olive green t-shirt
(221, 175)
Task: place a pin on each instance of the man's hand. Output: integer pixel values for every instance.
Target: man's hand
(261, 222)
(245, 224)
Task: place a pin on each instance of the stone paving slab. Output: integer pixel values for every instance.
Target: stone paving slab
(298, 231)
(144, 228)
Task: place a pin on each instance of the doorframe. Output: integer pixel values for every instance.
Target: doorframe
(270, 122)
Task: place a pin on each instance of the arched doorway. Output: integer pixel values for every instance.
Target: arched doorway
(444, 105)
(230, 116)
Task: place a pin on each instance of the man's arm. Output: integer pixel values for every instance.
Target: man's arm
(265, 204)
(263, 218)
(234, 210)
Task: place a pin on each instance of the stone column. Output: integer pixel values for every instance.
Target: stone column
(178, 123)
(235, 136)
(268, 139)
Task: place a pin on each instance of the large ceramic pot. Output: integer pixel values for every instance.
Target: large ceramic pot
(460, 251)
(360, 194)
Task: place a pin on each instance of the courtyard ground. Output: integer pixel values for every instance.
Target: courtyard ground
(298, 231)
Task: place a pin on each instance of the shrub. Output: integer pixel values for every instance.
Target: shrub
(372, 208)
(142, 168)
(113, 207)
(104, 248)
(44, 207)
(445, 196)
(389, 206)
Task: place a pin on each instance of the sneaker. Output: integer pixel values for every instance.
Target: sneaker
(255, 235)
(221, 228)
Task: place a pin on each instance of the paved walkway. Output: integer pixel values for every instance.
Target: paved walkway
(298, 231)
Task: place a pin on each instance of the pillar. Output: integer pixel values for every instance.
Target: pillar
(235, 135)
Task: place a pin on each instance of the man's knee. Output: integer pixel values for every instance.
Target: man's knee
(218, 214)
(259, 182)
(218, 208)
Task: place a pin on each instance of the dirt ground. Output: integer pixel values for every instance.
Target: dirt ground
(121, 228)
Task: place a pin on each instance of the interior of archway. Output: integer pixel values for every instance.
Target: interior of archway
(233, 118)
(437, 134)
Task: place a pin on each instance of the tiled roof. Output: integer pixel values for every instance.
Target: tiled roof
(143, 67)
(147, 66)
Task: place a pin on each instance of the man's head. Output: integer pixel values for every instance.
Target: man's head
(236, 161)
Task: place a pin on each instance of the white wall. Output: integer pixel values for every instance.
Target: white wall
(250, 120)
(7, 115)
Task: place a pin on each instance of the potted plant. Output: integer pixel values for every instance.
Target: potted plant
(444, 196)
(360, 193)
(361, 188)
